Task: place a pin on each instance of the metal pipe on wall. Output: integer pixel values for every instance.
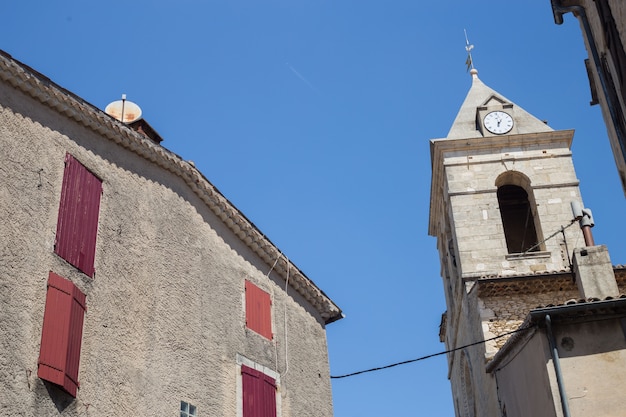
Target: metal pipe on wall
(557, 367)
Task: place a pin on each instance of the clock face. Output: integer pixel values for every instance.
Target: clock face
(498, 122)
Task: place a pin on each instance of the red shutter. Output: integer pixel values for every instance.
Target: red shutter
(77, 225)
(259, 393)
(258, 310)
(269, 396)
(61, 334)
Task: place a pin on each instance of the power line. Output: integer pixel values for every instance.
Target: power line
(431, 355)
(593, 320)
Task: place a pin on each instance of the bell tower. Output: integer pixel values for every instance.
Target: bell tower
(502, 186)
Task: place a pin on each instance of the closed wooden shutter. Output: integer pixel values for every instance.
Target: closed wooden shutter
(258, 310)
(61, 334)
(259, 393)
(77, 225)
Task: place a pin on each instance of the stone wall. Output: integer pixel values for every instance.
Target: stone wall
(476, 216)
(506, 313)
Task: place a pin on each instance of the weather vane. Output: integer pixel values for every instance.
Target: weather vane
(468, 62)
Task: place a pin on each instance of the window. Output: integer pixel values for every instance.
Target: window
(517, 209)
(187, 410)
(77, 225)
(61, 334)
(259, 393)
(258, 310)
(613, 42)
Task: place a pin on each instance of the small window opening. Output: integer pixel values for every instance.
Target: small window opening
(187, 410)
(517, 219)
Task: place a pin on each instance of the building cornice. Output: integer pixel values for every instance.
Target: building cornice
(540, 281)
(48, 93)
(442, 148)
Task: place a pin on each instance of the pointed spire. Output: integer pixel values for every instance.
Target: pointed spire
(481, 96)
(480, 99)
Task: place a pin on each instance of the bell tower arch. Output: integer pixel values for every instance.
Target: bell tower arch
(518, 210)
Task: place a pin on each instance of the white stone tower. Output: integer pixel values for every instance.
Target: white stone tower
(502, 185)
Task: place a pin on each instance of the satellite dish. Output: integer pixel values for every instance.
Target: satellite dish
(124, 110)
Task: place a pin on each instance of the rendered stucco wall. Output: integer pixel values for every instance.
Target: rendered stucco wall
(523, 382)
(593, 359)
(165, 311)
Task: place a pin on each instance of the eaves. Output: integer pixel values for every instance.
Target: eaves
(41, 88)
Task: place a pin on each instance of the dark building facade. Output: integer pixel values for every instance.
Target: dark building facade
(603, 27)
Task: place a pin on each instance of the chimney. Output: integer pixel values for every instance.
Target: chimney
(594, 273)
(144, 128)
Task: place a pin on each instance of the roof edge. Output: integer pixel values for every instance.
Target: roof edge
(536, 316)
(47, 92)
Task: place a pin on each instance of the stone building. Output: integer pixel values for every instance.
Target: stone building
(521, 270)
(603, 26)
(129, 285)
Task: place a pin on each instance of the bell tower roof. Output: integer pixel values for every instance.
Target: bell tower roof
(479, 101)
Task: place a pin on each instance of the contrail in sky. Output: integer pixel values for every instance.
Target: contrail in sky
(302, 77)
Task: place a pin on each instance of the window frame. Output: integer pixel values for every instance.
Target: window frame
(187, 409)
(266, 374)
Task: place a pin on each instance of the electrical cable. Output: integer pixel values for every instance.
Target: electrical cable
(280, 255)
(619, 317)
(285, 321)
(431, 355)
(548, 238)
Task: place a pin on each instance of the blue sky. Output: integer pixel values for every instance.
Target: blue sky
(313, 118)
